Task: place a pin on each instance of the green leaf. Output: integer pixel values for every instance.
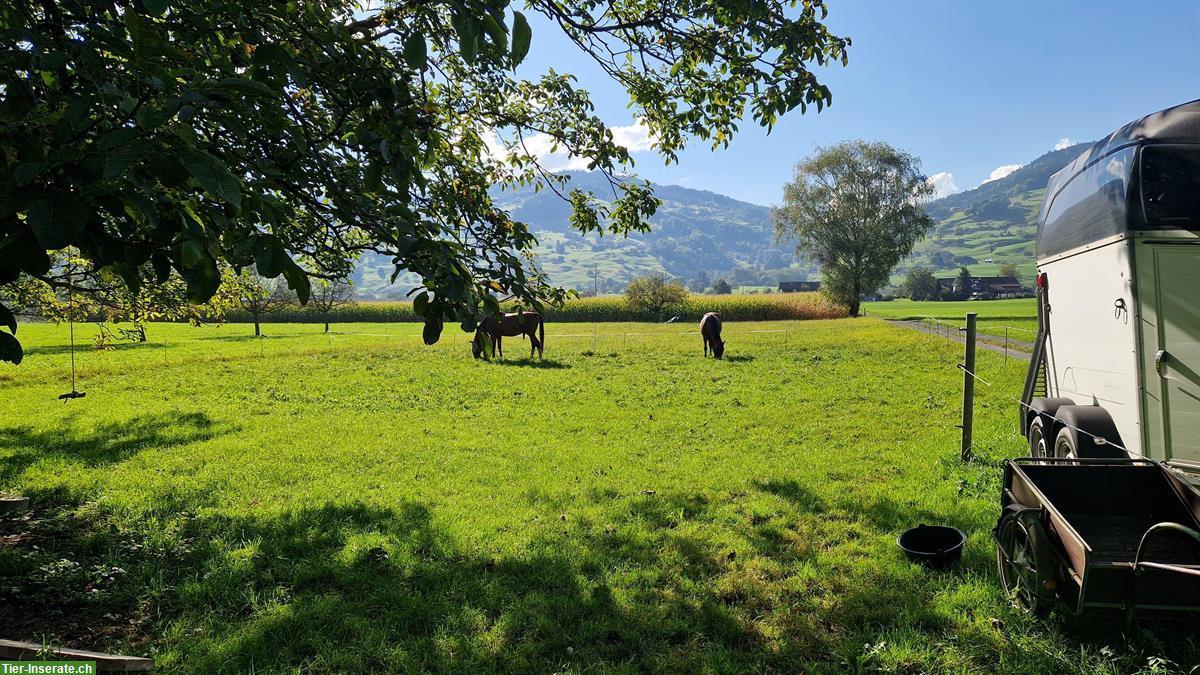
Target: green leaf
(522, 34)
(297, 280)
(162, 268)
(468, 47)
(432, 331)
(57, 222)
(202, 277)
(151, 118)
(124, 157)
(421, 303)
(21, 251)
(213, 176)
(269, 256)
(274, 54)
(117, 137)
(467, 33)
(496, 31)
(372, 177)
(136, 29)
(415, 53)
(192, 253)
(155, 7)
(25, 173)
(237, 86)
(10, 349)
(7, 319)
(53, 60)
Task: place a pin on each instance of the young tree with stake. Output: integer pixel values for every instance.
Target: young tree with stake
(260, 296)
(329, 294)
(855, 207)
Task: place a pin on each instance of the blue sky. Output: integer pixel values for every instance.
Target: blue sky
(969, 87)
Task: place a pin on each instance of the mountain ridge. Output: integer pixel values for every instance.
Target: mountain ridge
(702, 235)
(991, 224)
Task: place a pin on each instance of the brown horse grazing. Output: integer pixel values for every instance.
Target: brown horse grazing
(710, 332)
(510, 325)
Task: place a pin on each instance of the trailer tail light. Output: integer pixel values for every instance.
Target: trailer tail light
(1041, 280)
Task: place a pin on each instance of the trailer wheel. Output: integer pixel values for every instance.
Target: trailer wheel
(1026, 560)
(1064, 444)
(1038, 445)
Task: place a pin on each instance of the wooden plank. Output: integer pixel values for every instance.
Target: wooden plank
(29, 651)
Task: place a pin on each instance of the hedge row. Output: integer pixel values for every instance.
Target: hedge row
(766, 307)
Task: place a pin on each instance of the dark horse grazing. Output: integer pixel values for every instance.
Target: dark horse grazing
(511, 325)
(710, 331)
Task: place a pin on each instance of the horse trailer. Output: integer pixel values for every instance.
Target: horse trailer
(1116, 367)
(1105, 514)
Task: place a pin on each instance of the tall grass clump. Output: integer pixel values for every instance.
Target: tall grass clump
(764, 307)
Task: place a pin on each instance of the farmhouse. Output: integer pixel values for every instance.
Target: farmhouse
(799, 286)
(996, 287)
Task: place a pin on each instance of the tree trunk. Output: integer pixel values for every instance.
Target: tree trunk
(854, 302)
(257, 329)
(326, 326)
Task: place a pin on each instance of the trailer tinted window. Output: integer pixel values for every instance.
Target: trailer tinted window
(1091, 207)
(1171, 186)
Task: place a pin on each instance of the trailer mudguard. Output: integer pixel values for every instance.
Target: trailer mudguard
(1047, 408)
(1096, 422)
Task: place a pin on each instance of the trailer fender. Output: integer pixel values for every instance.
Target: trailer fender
(1046, 407)
(1096, 422)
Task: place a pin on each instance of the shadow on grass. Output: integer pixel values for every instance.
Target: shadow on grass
(252, 336)
(549, 364)
(739, 358)
(86, 348)
(794, 492)
(357, 587)
(362, 588)
(103, 444)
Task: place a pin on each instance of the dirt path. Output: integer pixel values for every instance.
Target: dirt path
(1016, 348)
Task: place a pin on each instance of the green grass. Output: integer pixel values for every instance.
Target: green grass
(360, 502)
(1019, 314)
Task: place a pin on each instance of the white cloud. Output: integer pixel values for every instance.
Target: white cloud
(635, 137)
(1001, 171)
(1063, 143)
(943, 184)
(553, 158)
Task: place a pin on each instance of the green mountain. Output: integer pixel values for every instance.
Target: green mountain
(700, 236)
(992, 224)
(696, 235)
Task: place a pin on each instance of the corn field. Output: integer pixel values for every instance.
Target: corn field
(765, 307)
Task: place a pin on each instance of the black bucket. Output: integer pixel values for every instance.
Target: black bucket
(935, 546)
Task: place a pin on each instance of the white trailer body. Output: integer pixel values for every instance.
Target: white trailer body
(1117, 363)
(1091, 353)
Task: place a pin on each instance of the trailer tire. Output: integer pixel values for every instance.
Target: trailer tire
(1025, 558)
(1039, 446)
(1078, 427)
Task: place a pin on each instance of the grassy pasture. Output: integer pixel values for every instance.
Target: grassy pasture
(359, 502)
(993, 315)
